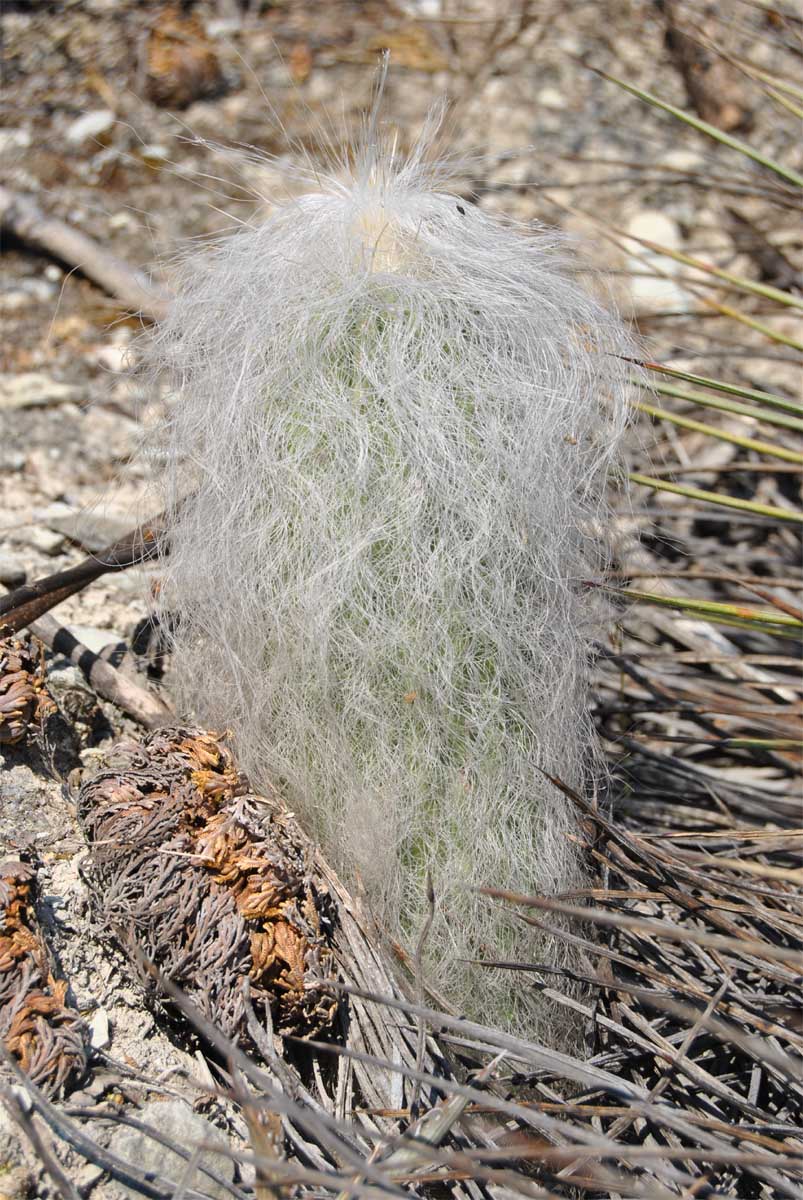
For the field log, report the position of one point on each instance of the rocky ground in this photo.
(149, 129)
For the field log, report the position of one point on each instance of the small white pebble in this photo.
(90, 125)
(99, 1029)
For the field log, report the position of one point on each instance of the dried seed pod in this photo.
(24, 699)
(46, 1035)
(208, 882)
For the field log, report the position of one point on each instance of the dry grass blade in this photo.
(703, 980)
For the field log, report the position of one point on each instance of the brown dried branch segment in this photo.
(27, 603)
(22, 217)
(208, 883)
(145, 707)
(37, 1025)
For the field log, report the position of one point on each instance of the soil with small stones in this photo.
(148, 141)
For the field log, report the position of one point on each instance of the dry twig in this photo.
(21, 216)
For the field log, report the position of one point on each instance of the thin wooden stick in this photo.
(21, 216)
(109, 683)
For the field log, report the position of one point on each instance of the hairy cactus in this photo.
(393, 421)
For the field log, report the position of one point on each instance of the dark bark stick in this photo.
(27, 605)
(30, 601)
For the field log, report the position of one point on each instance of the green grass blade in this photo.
(783, 85)
(751, 506)
(730, 389)
(774, 336)
(711, 131)
(785, 102)
(729, 406)
(729, 614)
(738, 281)
(661, 414)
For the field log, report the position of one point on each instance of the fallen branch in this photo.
(27, 603)
(21, 216)
(109, 683)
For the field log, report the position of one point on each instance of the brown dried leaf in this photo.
(25, 702)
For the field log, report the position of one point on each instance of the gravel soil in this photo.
(149, 128)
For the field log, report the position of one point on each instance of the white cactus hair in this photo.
(395, 417)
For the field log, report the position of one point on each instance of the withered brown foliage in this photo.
(191, 873)
(182, 63)
(37, 1025)
(24, 699)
